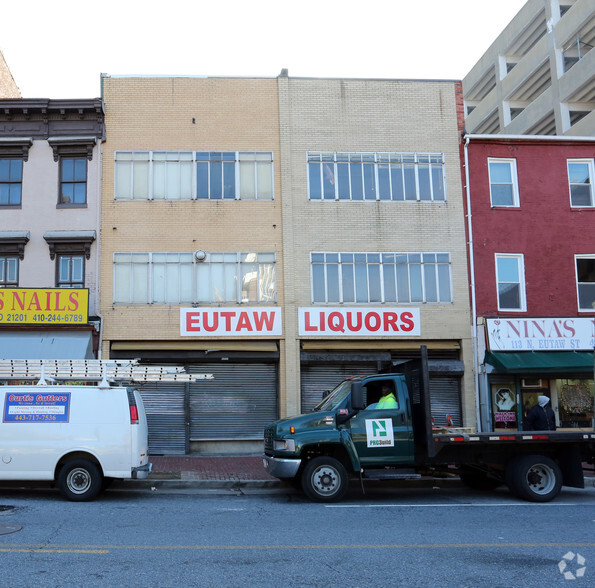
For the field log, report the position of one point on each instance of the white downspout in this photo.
(99, 242)
(472, 285)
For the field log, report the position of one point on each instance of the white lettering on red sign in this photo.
(220, 322)
(359, 322)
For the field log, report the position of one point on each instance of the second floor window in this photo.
(376, 176)
(9, 272)
(70, 271)
(73, 180)
(11, 179)
(381, 277)
(585, 277)
(178, 278)
(510, 277)
(580, 179)
(188, 175)
(504, 190)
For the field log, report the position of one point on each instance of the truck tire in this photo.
(535, 478)
(478, 480)
(324, 479)
(80, 480)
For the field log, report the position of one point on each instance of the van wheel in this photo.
(324, 479)
(80, 480)
(535, 478)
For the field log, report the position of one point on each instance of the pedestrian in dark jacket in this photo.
(541, 417)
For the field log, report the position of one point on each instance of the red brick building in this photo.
(531, 228)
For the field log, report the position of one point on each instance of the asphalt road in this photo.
(407, 537)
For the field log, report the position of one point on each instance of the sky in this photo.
(59, 49)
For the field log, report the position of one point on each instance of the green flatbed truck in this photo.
(345, 437)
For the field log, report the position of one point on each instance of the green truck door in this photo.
(383, 436)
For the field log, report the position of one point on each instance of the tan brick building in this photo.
(230, 208)
(191, 197)
(373, 227)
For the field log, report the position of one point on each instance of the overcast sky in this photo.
(59, 49)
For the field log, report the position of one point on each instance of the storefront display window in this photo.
(575, 402)
(504, 406)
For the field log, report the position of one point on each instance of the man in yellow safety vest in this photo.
(388, 399)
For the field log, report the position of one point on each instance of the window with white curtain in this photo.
(381, 277)
(178, 278)
(376, 176)
(189, 175)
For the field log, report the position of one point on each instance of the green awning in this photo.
(541, 362)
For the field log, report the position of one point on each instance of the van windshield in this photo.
(335, 397)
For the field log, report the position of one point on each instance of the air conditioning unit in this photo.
(532, 383)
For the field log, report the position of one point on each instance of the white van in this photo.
(80, 437)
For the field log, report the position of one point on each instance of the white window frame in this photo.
(576, 258)
(382, 263)
(240, 260)
(239, 158)
(521, 274)
(515, 182)
(590, 167)
(332, 159)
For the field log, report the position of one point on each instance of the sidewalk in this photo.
(223, 468)
(232, 472)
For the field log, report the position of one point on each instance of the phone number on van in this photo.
(28, 408)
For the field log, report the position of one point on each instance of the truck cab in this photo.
(347, 430)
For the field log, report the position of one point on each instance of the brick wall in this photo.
(8, 87)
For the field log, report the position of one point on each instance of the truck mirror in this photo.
(357, 396)
(325, 394)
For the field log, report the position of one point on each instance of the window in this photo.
(70, 271)
(11, 178)
(187, 175)
(585, 278)
(9, 272)
(376, 176)
(70, 249)
(580, 180)
(72, 154)
(381, 277)
(177, 278)
(510, 276)
(504, 189)
(73, 180)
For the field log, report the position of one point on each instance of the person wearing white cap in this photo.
(541, 417)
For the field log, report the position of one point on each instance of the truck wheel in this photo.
(80, 480)
(324, 479)
(478, 480)
(535, 478)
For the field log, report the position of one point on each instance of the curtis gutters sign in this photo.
(44, 306)
(541, 334)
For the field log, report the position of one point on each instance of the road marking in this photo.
(49, 550)
(450, 505)
(103, 549)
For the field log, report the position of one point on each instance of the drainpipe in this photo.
(99, 196)
(472, 285)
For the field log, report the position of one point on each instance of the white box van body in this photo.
(80, 437)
